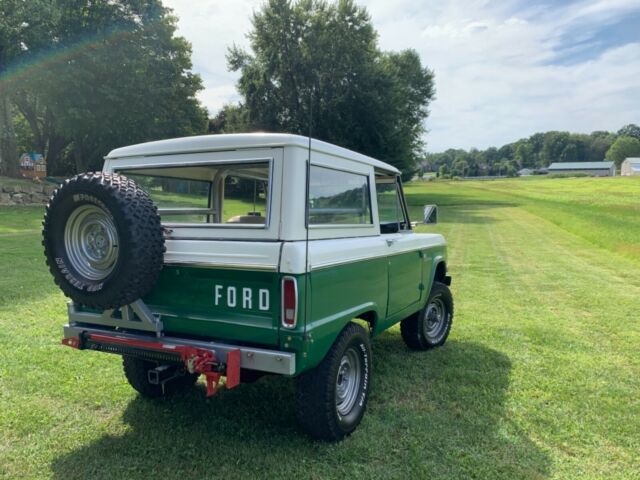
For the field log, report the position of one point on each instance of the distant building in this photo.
(630, 166)
(525, 172)
(33, 165)
(595, 169)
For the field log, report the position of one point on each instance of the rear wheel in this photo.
(137, 372)
(430, 327)
(332, 398)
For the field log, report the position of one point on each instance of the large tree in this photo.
(622, 148)
(631, 130)
(319, 62)
(23, 26)
(113, 72)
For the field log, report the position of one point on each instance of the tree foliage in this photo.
(23, 25)
(630, 130)
(319, 62)
(537, 151)
(622, 148)
(103, 74)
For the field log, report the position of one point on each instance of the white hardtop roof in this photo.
(632, 160)
(211, 143)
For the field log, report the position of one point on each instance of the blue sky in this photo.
(504, 69)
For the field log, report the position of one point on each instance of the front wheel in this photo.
(430, 327)
(331, 399)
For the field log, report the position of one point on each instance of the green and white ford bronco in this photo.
(242, 255)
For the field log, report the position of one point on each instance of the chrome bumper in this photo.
(272, 361)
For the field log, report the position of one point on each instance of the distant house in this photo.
(33, 165)
(630, 166)
(595, 169)
(525, 172)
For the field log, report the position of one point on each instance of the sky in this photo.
(503, 69)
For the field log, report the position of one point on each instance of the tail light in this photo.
(289, 302)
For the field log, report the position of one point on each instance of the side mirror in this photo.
(430, 214)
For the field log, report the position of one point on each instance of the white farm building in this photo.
(630, 166)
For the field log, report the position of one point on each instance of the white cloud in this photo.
(212, 26)
(498, 77)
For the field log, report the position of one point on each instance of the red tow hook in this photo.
(202, 361)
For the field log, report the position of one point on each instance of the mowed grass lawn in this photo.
(539, 379)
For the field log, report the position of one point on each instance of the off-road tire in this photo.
(415, 329)
(137, 372)
(139, 242)
(316, 390)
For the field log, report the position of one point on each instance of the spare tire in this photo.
(103, 240)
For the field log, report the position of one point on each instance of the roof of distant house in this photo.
(581, 166)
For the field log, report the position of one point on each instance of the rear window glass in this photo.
(338, 198)
(234, 194)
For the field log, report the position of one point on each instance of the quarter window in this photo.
(338, 198)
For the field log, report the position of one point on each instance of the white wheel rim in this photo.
(435, 319)
(348, 381)
(91, 242)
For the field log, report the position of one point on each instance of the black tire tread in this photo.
(315, 404)
(144, 236)
(411, 327)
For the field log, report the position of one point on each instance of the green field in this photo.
(540, 377)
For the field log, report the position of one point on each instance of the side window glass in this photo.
(338, 198)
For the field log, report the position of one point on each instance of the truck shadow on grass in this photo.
(437, 414)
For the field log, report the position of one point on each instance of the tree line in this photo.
(81, 77)
(537, 151)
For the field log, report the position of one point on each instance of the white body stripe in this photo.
(328, 253)
(322, 253)
(224, 254)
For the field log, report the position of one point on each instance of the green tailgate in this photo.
(215, 303)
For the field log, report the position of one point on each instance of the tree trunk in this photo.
(8, 147)
(57, 145)
(78, 157)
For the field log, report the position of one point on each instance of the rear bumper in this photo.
(119, 342)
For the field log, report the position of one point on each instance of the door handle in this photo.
(391, 241)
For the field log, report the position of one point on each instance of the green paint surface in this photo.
(186, 298)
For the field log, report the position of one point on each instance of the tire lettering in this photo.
(95, 288)
(83, 197)
(365, 382)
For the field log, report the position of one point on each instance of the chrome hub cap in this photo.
(91, 242)
(348, 382)
(435, 318)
